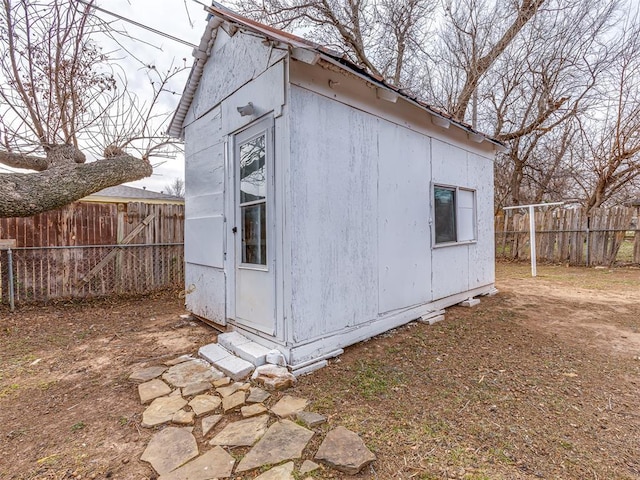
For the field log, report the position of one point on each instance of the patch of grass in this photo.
(501, 456)
(44, 385)
(324, 404)
(566, 445)
(374, 378)
(434, 429)
(78, 426)
(9, 390)
(478, 476)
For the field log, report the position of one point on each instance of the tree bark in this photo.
(19, 160)
(479, 67)
(26, 194)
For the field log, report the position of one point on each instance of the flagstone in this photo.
(253, 410)
(183, 417)
(345, 451)
(180, 359)
(209, 422)
(191, 371)
(257, 395)
(162, 410)
(196, 388)
(284, 440)
(146, 374)
(233, 401)
(308, 466)
(228, 390)
(289, 406)
(202, 404)
(242, 433)
(214, 464)
(311, 419)
(152, 389)
(282, 472)
(222, 382)
(169, 449)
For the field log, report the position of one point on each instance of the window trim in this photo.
(457, 189)
(264, 127)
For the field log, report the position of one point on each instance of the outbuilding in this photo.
(323, 206)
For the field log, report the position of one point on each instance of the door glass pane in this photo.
(253, 184)
(445, 213)
(254, 234)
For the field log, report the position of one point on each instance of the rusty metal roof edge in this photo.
(224, 14)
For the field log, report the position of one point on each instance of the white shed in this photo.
(323, 206)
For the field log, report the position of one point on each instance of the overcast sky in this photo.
(184, 19)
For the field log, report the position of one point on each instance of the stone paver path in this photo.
(242, 433)
(216, 463)
(212, 428)
(162, 410)
(344, 450)
(190, 372)
(289, 406)
(204, 404)
(283, 472)
(153, 389)
(209, 422)
(146, 374)
(283, 441)
(170, 448)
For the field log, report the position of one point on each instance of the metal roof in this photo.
(220, 14)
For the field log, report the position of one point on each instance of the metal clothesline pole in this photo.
(532, 229)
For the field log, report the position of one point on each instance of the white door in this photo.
(254, 227)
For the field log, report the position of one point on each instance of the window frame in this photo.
(262, 127)
(458, 217)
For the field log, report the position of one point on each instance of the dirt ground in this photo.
(540, 381)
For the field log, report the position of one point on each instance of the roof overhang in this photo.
(308, 52)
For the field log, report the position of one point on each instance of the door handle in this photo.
(234, 229)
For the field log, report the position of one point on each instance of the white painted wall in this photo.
(241, 69)
(404, 260)
(361, 178)
(234, 62)
(457, 268)
(333, 216)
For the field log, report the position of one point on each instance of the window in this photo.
(454, 214)
(253, 200)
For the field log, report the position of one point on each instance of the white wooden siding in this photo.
(457, 268)
(204, 197)
(404, 246)
(233, 63)
(482, 253)
(205, 288)
(333, 219)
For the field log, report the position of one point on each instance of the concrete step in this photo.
(225, 361)
(244, 348)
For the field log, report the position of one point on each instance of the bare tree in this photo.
(175, 188)
(537, 74)
(58, 88)
(385, 37)
(610, 136)
(544, 83)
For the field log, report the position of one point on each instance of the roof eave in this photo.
(219, 16)
(201, 54)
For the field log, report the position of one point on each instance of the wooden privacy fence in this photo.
(567, 235)
(94, 249)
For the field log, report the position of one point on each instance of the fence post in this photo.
(12, 300)
(588, 259)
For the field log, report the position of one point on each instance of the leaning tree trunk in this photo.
(65, 180)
